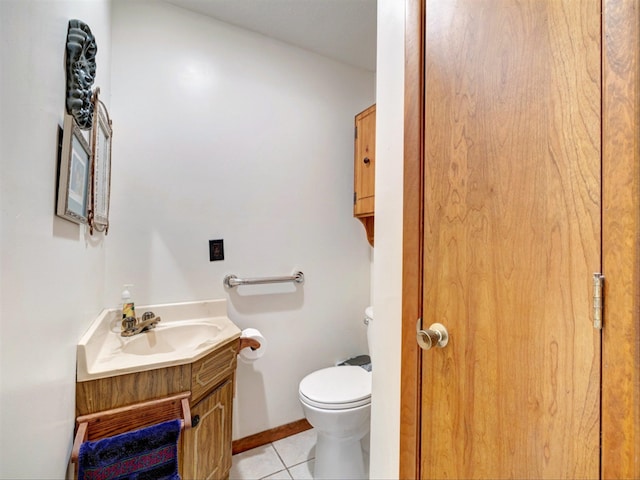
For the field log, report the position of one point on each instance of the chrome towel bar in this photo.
(231, 281)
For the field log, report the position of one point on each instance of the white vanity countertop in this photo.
(186, 332)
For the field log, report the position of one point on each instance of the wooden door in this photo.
(512, 220)
(364, 163)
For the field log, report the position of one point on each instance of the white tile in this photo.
(303, 471)
(256, 463)
(283, 475)
(297, 448)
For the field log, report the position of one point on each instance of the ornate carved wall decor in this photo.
(81, 72)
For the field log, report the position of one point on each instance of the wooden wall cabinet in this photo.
(205, 449)
(364, 171)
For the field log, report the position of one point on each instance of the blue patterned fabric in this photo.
(147, 454)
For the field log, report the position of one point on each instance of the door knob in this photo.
(435, 336)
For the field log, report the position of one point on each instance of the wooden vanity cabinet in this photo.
(205, 449)
(364, 169)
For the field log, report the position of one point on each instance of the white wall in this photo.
(52, 271)
(387, 268)
(266, 165)
(223, 133)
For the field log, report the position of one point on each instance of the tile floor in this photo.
(288, 459)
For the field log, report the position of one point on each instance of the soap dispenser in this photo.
(128, 309)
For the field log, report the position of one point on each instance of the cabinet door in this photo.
(207, 446)
(364, 162)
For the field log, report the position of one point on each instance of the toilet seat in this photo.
(336, 388)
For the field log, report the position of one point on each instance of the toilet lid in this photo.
(337, 387)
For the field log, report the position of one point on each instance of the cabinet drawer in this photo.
(213, 369)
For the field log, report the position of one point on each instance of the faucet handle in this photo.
(128, 323)
(148, 321)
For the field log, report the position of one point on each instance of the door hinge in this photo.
(598, 301)
(355, 197)
(355, 133)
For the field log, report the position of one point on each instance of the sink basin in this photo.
(172, 338)
(187, 332)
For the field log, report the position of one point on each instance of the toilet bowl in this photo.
(337, 402)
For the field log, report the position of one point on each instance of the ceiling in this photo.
(344, 30)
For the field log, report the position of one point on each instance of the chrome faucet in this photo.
(132, 326)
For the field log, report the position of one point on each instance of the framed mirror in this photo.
(101, 132)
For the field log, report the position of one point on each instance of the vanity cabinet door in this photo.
(207, 446)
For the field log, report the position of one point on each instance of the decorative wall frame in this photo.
(75, 174)
(101, 133)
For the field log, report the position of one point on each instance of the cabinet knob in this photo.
(366, 161)
(195, 420)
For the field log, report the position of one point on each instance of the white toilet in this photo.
(337, 403)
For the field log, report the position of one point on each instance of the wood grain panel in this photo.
(107, 393)
(139, 415)
(213, 369)
(207, 446)
(410, 408)
(271, 435)
(511, 238)
(364, 172)
(621, 237)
